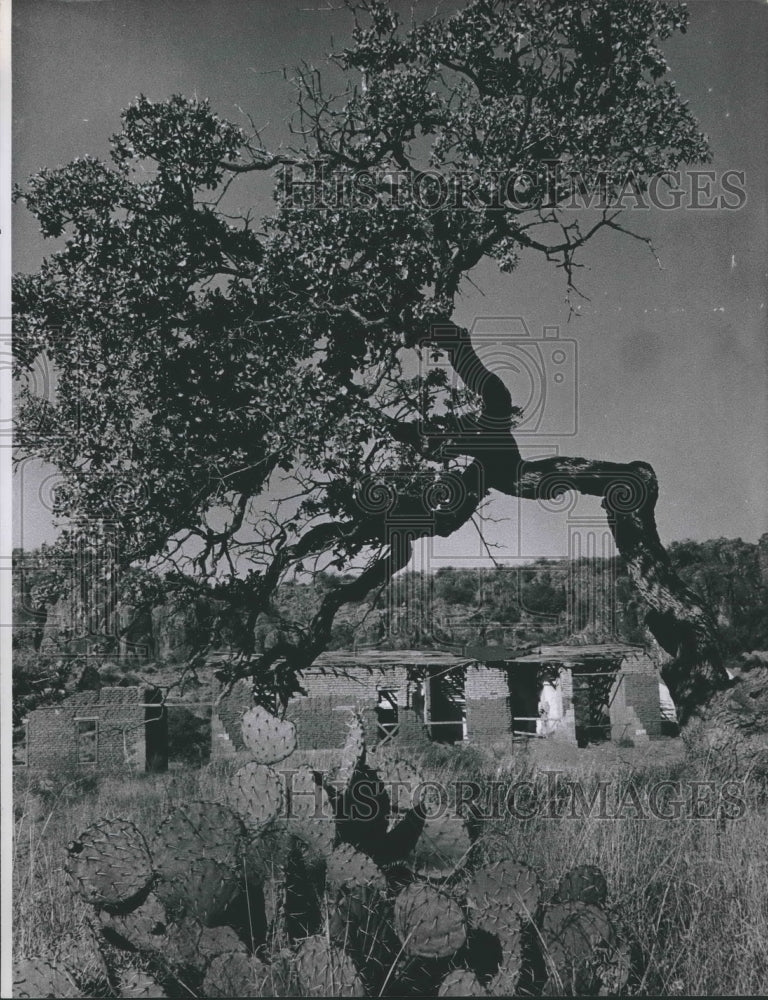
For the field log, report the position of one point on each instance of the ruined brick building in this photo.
(111, 729)
(489, 697)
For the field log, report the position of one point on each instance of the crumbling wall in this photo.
(489, 717)
(120, 741)
(635, 703)
(323, 713)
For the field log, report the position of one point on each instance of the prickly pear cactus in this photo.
(429, 923)
(443, 847)
(37, 978)
(504, 983)
(237, 975)
(142, 929)
(353, 754)
(310, 814)
(497, 891)
(582, 884)
(501, 898)
(405, 786)
(197, 830)
(256, 795)
(268, 738)
(284, 888)
(346, 867)
(326, 971)
(576, 937)
(136, 984)
(110, 865)
(197, 852)
(461, 983)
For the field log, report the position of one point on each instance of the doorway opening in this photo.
(387, 714)
(445, 706)
(155, 731)
(591, 693)
(524, 695)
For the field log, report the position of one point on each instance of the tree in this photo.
(204, 358)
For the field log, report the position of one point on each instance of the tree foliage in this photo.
(252, 397)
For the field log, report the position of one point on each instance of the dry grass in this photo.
(694, 892)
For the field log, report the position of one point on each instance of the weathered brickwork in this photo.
(489, 715)
(333, 695)
(99, 730)
(635, 707)
(343, 682)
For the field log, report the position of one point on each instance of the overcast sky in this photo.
(671, 363)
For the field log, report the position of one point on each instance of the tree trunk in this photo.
(724, 720)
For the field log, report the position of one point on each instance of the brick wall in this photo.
(642, 693)
(638, 662)
(487, 703)
(635, 705)
(53, 742)
(322, 715)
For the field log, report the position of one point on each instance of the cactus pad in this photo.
(504, 983)
(326, 971)
(143, 929)
(443, 846)
(215, 941)
(310, 815)
(110, 865)
(237, 975)
(197, 830)
(256, 795)
(582, 884)
(198, 849)
(428, 923)
(136, 984)
(575, 938)
(404, 785)
(461, 983)
(500, 889)
(353, 754)
(347, 867)
(209, 891)
(268, 738)
(36, 978)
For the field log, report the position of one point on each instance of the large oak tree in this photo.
(201, 358)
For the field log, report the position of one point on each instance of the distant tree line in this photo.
(545, 600)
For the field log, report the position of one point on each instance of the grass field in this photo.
(694, 892)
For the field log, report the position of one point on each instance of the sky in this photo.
(666, 363)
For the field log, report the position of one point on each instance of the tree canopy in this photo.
(250, 396)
